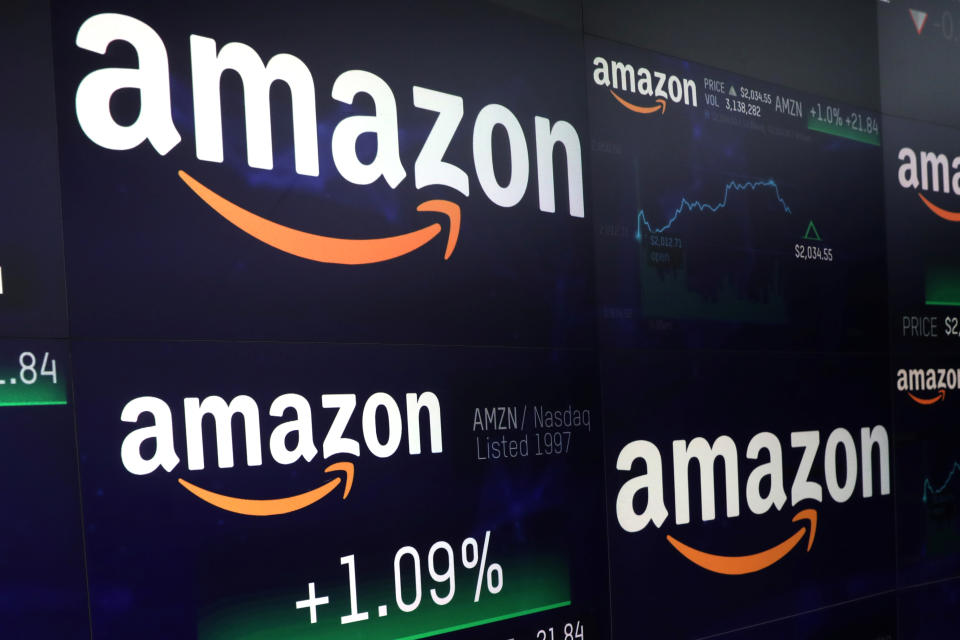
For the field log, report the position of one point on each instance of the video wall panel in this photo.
(731, 213)
(42, 577)
(758, 488)
(353, 491)
(288, 180)
(32, 282)
(476, 320)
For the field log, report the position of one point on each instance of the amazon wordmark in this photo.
(382, 429)
(843, 464)
(155, 125)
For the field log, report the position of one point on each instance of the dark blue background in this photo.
(33, 302)
(929, 612)
(872, 618)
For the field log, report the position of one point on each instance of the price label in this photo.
(31, 377)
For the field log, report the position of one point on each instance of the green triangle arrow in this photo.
(811, 233)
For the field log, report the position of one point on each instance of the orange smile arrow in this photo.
(277, 506)
(661, 105)
(326, 249)
(951, 216)
(941, 394)
(739, 565)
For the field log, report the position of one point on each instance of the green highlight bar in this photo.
(843, 132)
(37, 403)
(40, 393)
(942, 286)
(532, 582)
(480, 623)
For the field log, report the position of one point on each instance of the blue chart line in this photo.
(928, 486)
(686, 205)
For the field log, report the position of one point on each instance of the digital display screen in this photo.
(405, 216)
(353, 491)
(921, 231)
(42, 582)
(482, 320)
(759, 471)
(731, 213)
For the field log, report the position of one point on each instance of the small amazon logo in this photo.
(661, 105)
(941, 395)
(641, 502)
(209, 61)
(927, 386)
(624, 78)
(290, 442)
(931, 172)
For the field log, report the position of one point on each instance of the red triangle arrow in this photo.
(919, 19)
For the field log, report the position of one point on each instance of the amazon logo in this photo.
(930, 172)
(383, 428)
(652, 88)
(846, 463)
(210, 60)
(927, 386)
